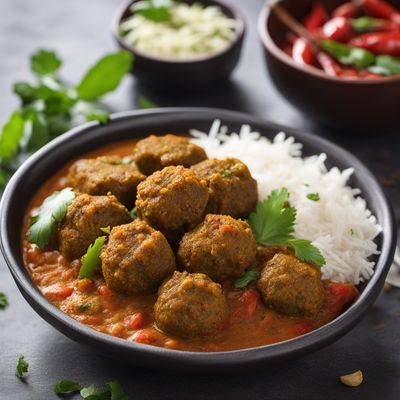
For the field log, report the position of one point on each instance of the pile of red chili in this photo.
(358, 39)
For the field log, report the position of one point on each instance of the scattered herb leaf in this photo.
(348, 55)
(3, 301)
(10, 138)
(117, 392)
(246, 278)
(66, 386)
(91, 260)
(52, 211)
(105, 75)
(313, 196)
(273, 224)
(45, 62)
(133, 213)
(227, 173)
(84, 306)
(155, 10)
(106, 230)
(22, 368)
(144, 103)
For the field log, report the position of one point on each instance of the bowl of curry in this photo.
(126, 237)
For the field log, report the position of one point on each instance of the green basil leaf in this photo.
(45, 62)
(105, 75)
(66, 386)
(347, 55)
(11, 135)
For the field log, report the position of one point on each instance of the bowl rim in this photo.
(240, 32)
(277, 351)
(270, 45)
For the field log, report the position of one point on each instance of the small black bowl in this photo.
(184, 74)
(38, 168)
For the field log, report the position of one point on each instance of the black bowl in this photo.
(38, 168)
(180, 74)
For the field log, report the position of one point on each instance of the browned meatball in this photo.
(233, 191)
(156, 152)
(221, 247)
(103, 175)
(190, 305)
(172, 200)
(85, 216)
(136, 259)
(291, 286)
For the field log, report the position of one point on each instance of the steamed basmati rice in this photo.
(339, 224)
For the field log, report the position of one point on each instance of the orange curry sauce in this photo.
(250, 324)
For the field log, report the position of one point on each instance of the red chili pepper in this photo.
(302, 52)
(329, 65)
(347, 10)
(379, 42)
(316, 18)
(338, 28)
(381, 9)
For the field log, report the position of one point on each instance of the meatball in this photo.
(156, 152)
(233, 191)
(104, 175)
(83, 220)
(172, 200)
(190, 305)
(221, 247)
(136, 259)
(291, 286)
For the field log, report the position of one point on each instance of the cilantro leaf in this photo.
(133, 213)
(91, 260)
(304, 250)
(106, 229)
(45, 62)
(22, 368)
(3, 301)
(93, 112)
(38, 131)
(272, 223)
(66, 386)
(313, 196)
(52, 211)
(93, 393)
(154, 10)
(117, 392)
(25, 91)
(11, 135)
(144, 103)
(246, 278)
(105, 75)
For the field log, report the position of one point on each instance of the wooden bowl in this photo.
(359, 106)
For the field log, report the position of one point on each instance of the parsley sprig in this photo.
(49, 107)
(92, 392)
(52, 211)
(273, 224)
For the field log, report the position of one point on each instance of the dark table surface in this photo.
(79, 31)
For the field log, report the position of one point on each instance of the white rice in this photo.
(339, 224)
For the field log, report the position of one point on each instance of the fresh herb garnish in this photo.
(365, 24)
(49, 107)
(91, 260)
(154, 10)
(347, 55)
(273, 224)
(246, 278)
(3, 301)
(123, 161)
(92, 392)
(144, 103)
(106, 230)
(84, 306)
(133, 213)
(65, 386)
(52, 211)
(22, 368)
(227, 173)
(386, 65)
(313, 196)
